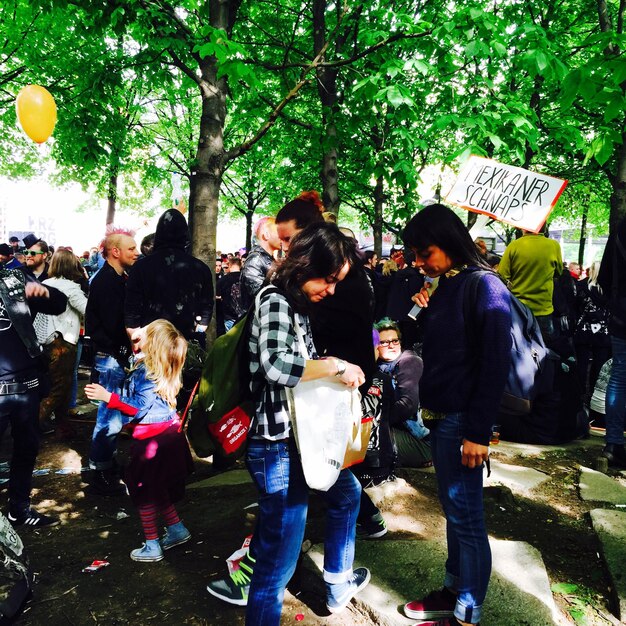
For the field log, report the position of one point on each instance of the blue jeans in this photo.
(21, 411)
(468, 566)
(109, 422)
(276, 471)
(616, 394)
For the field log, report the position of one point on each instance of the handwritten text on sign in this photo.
(506, 193)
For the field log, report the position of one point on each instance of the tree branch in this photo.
(342, 62)
(244, 147)
(291, 120)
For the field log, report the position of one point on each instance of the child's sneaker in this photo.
(174, 536)
(148, 553)
(436, 605)
(338, 595)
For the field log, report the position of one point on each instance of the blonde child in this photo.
(159, 456)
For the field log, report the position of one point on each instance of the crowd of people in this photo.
(432, 390)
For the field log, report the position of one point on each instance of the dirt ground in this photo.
(173, 591)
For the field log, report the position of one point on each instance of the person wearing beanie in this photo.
(14, 242)
(7, 260)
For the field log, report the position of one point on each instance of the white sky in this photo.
(51, 214)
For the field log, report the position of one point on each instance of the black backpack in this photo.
(529, 374)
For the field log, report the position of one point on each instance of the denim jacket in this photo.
(139, 392)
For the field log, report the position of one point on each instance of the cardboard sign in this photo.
(506, 193)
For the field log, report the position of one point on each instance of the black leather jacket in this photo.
(253, 274)
(21, 311)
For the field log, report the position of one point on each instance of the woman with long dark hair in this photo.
(319, 258)
(460, 392)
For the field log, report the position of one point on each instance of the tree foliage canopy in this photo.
(261, 99)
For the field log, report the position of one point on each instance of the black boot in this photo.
(105, 483)
(616, 455)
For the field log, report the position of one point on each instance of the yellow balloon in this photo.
(37, 112)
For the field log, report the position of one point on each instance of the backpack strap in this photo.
(470, 297)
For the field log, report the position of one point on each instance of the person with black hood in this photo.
(170, 283)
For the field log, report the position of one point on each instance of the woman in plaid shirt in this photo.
(319, 257)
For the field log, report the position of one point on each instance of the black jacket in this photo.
(612, 279)
(17, 314)
(405, 284)
(104, 316)
(253, 274)
(342, 324)
(170, 283)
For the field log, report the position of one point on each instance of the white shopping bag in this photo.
(326, 419)
(325, 414)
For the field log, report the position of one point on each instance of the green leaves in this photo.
(396, 96)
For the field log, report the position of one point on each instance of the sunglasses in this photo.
(32, 252)
(386, 342)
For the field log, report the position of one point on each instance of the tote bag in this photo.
(326, 422)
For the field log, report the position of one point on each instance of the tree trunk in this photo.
(618, 196)
(583, 235)
(327, 90)
(209, 163)
(112, 196)
(249, 215)
(207, 174)
(379, 201)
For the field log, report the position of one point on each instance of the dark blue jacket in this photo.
(457, 377)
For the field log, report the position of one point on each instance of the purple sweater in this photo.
(456, 378)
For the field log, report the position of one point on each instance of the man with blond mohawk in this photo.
(104, 324)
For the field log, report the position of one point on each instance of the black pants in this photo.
(21, 411)
(368, 509)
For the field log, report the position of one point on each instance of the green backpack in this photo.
(220, 421)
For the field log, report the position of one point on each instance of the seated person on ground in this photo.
(405, 369)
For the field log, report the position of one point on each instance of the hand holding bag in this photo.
(326, 422)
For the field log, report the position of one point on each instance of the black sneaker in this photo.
(234, 589)
(615, 454)
(46, 427)
(372, 528)
(32, 519)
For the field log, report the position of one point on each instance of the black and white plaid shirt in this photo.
(275, 363)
